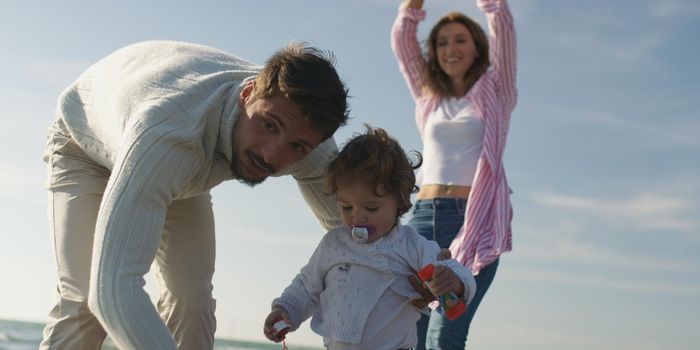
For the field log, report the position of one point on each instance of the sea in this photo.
(20, 335)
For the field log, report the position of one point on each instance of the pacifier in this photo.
(361, 233)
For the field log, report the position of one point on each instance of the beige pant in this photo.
(184, 261)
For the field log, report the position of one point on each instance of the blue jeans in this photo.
(440, 219)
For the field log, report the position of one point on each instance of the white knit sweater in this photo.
(160, 115)
(343, 281)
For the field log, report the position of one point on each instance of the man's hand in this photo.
(426, 295)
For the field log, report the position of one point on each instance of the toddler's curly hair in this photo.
(377, 159)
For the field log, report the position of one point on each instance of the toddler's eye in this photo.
(268, 124)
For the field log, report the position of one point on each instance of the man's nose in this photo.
(273, 152)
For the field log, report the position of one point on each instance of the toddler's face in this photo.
(360, 205)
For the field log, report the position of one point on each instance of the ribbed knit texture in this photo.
(160, 115)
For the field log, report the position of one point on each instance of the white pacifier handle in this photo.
(360, 234)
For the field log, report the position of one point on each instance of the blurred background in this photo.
(602, 158)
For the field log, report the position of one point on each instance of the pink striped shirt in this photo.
(486, 232)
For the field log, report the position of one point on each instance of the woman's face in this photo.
(456, 50)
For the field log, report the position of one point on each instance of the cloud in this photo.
(576, 239)
(640, 205)
(612, 44)
(643, 210)
(552, 245)
(675, 129)
(680, 130)
(590, 280)
(673, 9)
(617, 35)
(539, 333)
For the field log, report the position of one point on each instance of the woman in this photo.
(464, 90)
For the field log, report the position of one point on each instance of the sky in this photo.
(602, 156)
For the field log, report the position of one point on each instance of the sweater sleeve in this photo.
(309, 175)
(465, 276)
(147, 174)
(302, 297)
(427, 254)
(404, 43)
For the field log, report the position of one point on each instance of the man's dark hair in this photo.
(307, 77)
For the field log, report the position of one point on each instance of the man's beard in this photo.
(236, 169)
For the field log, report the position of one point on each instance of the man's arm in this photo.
(309, 174)
(146, 177)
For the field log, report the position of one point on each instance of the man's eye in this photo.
(372, 209)
(299, 147)
(268, 124)
(345, 208)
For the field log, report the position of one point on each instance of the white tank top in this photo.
(452, 142)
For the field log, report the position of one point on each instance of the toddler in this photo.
(355, 286)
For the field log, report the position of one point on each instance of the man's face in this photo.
(270, 135)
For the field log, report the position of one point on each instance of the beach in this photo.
(22, 335)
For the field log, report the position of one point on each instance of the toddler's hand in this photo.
(278, 313)
(426, 296)
(446, 281)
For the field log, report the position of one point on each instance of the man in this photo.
(138, 142)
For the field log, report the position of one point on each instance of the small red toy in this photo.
(454, 306)
(281, 328)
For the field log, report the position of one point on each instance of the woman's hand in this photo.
(414, 4)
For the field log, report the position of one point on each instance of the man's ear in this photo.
(247, 92)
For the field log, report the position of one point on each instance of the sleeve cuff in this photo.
(412, 13)
(469, 288)
(488, 6)
(465, 276)
(294, 316)
(314, 165)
